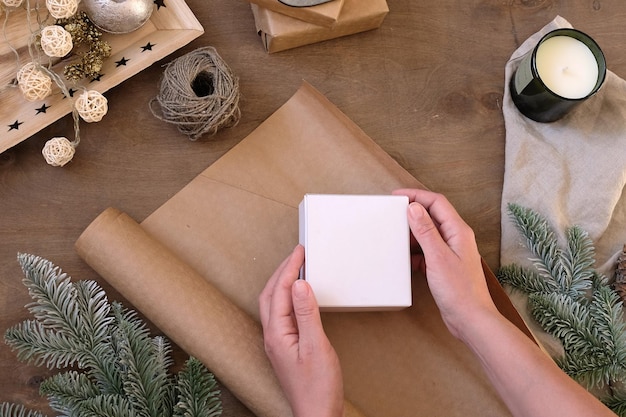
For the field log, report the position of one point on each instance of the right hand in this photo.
(449, 258)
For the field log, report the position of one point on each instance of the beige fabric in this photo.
(572, 171)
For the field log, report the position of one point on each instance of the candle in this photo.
(565, 68)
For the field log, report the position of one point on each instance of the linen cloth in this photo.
(571, 171)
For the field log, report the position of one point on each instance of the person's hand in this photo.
(449, 257)
(305, 363)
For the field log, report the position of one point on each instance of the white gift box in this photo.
(357, 254)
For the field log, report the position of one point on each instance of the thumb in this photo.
(307, 314)
(425, 231)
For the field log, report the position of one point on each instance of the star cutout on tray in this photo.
(15, 125)
(121, 62)
(42, 109)
(71, 92)
(147, 47)
(97, 77)
(159, 3)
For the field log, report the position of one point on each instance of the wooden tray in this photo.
(171, 26)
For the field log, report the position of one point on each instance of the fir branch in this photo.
(121, 370)
(40, 346)
(198, 394)
(575, 303)
(143, 379)
(540, 240)
(567, 320)
(66, 391)
(106, 406)
(53, 294)
(579, 259)
(17, 410)
(525, 280)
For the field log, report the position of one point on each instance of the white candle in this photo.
(567, 67)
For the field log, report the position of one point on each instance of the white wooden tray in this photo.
(171, 26)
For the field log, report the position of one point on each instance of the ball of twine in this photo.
(62, 9)
(34, 83)
(58, 151)
(199, 94)
(56, 41)
(91, 106)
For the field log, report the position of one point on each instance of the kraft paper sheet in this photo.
(216, 242)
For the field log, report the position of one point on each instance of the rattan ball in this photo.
(12, 3)
(56, 41)
(91, 106)
(34, 84)
(58, 151)
(62, 9)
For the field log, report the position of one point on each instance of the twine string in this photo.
(199, 94)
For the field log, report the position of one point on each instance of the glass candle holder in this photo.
(565, 68)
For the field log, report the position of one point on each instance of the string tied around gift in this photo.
(198, 93)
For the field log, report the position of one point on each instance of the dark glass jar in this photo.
(534, 98)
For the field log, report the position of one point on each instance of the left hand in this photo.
(305, 362)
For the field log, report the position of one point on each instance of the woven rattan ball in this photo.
(56, 41)
(12, 3)
(91, 106)
(58, 151)
(62, 9)
(34, 83)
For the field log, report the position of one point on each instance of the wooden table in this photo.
(427, 86)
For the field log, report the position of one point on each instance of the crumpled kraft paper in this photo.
(234, 223)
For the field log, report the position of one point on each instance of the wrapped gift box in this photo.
(280, 32)
(325, 14)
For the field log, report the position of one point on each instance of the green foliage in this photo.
(573, 302)
(118, 369)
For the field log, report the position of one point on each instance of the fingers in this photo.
(307, 316)
(444, 216)
(275, 299)
(425, 232)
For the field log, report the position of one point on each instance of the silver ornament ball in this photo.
(118, 16)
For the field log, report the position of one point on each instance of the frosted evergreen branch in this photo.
(575, 303)
(198, 394)
(606, 310)
(53, 294)
(94, 308)
(106, 406)
(38, 345)
(525, 280)
(579, 259)
(144, 373)
(66, 391)
(17, 410)
(567, 320)
(540, 240)
(120, 371)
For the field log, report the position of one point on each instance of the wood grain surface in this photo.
(427, 86)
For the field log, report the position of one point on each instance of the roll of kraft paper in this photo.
(187, 308)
